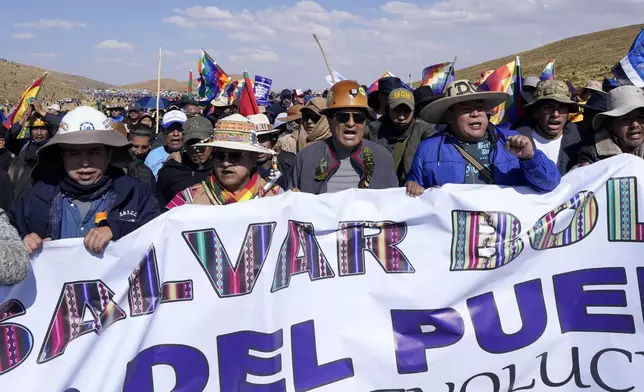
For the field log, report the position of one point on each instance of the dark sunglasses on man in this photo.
(227, 156)
(343, 117)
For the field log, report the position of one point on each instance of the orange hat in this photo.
(347, 94)
(293, 113)
(120, 128)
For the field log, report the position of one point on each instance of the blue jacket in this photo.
(438, 162)
(133, 206)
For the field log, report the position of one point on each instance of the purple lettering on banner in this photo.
(235, 361)
(594, 369)
(573, 301)
(501, 242)
(16, 341)
(640, 284)
(226, 279)
(487, 323)
(354, 243)
(307, 373)
(412, 342)
(67, 323)
(146, 292)
(300, 240)
(512, 370)
(189, 364)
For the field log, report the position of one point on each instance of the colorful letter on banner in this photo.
(262, 89)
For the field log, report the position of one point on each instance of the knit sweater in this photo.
(14, 260)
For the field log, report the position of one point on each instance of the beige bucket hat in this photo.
(620, 101)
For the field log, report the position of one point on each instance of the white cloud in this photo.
(52, 24)
(114, 44)
(44, 54)
(192, 51)
(169, 53)
(23, 36)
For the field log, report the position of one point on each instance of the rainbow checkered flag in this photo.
(212, 78)
(507, 79)
(437, 76)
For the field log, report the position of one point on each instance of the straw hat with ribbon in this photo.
(457, 92)
(236, 132)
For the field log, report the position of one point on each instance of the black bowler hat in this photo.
(389, 84)
(425, 94)
(596, 102)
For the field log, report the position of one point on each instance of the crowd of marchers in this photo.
(99, 175)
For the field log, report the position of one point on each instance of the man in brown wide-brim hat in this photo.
(345, 160)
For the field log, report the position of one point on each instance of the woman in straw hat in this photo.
(473, 151)
(235, 177)
(620, 130)
(80, 189)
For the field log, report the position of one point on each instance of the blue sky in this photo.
(117, 41)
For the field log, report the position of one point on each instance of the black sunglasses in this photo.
(343, 117)
(306, 116)
(227, 156)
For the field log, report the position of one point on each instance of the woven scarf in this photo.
(227, 197)
(322, 131)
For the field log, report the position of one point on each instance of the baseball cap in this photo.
(286, 93)
(401, 96)
(197, 127)
(55, 107)
(174, 116)
(299, 93)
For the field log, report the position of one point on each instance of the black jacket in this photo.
(274, 110)
(21, 167)
(6, 191)
(286, 165)
(6, 157)
(176, 176)
(139, 170)
(571, 142)
(385, 133)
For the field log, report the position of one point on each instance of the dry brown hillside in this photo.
(166, 84)
(15, 78)
(581, 58)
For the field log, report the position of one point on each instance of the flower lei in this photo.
(369, 166)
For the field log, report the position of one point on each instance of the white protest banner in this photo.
(262, 87)
(467, 288)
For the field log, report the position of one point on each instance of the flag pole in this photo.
(158, 88)
(451, 71)
(315, 36)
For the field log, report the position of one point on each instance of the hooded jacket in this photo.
(21, 168)
(14, 260)
(179, 173)
(385, 133)
(438, 162)
(134, 206)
